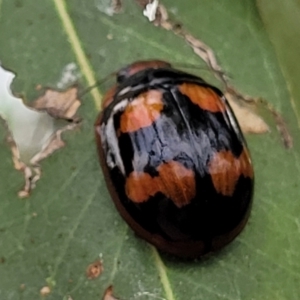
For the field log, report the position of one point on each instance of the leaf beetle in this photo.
(175, 160)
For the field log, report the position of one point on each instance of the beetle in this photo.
(174, 158)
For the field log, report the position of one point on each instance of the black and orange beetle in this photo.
(174, 158)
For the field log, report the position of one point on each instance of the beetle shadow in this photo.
(207, 260)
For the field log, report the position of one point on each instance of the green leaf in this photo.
(282, 23)
(70, 221)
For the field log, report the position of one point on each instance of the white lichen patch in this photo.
(105, 6)
(33, 134)
(69, 76)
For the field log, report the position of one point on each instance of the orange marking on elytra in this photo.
(202, 96)
(140, 186)
(225, 170)
(174, 181)
(177, 182)
(142, 111)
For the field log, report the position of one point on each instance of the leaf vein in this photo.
(162, 271)
(70, 236)
(78, 50)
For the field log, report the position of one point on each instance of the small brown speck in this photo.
(94, 270)
(117, 6)
(38, 87)
(45, 291)
(108, 294)
(23, 194)
(2, 260)
(22, 287)
(34, 214)
(109, 36)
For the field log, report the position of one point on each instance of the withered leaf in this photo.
(248, 120)
(60, 105)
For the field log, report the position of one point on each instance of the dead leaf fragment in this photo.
(108, 294)
(248, 120)
(60, 105)
(35, 132)
(94, 270)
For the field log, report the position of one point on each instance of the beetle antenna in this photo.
(203, 68)
(97, 83)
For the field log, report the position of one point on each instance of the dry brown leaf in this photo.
(248, 120)
(60, 105)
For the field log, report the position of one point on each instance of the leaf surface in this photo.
(69, 221)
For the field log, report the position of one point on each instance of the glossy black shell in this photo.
(186, 134)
